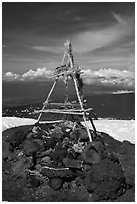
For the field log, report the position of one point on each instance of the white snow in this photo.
(119, 129)
(9, 122)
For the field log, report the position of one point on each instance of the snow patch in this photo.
(119, 129)
(9, 122)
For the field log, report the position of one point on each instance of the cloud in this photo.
(32, 75)
(39, 74)
(11, 76)
(112, 34)
(122, 80)
(122, 92)
(48, 49)
(110, 77)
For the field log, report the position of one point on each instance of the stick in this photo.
(66, 89)
(45, 103)
(56, 169)
(66, 110)
(84, 115)
(59, 111)
(63, 104)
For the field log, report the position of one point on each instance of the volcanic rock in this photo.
(58, 154)
(42, 153)
(71, 163)
(93, 152)
(56, 183)
(78, 147)
(83, 136)
(50, 143)
(92, 168)
(74, 135)
(105, 180)
(5, 150)
(17, 138)
(57, 133)
(46, 161)
(30, 147)
(33, 181)
(20, 166)
(66, 142)
(55, 173)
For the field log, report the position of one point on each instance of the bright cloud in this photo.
(39, 74)
(103, 77)
(122, 92)
(110, 77)
(11, 76)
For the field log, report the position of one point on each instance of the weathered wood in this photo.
(84, 114)
(59, 111)
(51, 121)
(73, 110)
(53, 86)
(66, 89)
(62, 104)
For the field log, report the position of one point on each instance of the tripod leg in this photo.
(66, 90)
(45, 103)
(95, 131)
(63, 60)
(81, 105)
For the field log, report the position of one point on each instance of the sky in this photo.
(102, 36)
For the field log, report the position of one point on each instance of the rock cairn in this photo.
(61, 156)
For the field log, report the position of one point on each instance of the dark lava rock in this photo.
(57, 133)
(52, 173)
(110, 155)
(30, 147)
(58, 154)
(33, 181)
(46, 161)
(19, 167)
(74, 135)
(71, 163)
(83, 135)
(50, 143)
(72, 154)
(5, 150)
(93, 152)
(17, 138)
(66, 142)
(105, 180)
(56, 183)
(42, 153)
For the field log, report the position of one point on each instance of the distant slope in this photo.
(30, 95)
(120, 106)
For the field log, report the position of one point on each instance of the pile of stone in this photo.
(61, 154)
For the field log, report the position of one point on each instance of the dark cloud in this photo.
(34, 33)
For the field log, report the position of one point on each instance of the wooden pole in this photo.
(84, 115)
(71, 110)
(59, 111)
(66, 89)
(45, 103)
(63, 60)
(90, 118)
